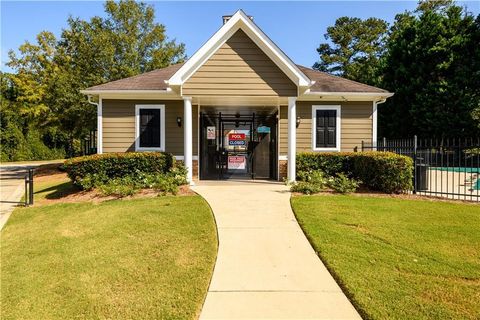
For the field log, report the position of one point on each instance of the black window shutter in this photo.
(149, 128)
(326, 130)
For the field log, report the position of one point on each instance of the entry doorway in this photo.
(238, 145)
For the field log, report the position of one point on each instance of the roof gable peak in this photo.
(240, 21)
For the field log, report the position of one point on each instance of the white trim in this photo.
(349, 93)
(375, 121)
(138, 107)
(374, 124)
(188, 137)
(283, 158)
(239, 21)
(165, 91)
(292, 138)
(278, 141)
(338, 109)
(100, 126)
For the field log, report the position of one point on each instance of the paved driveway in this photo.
(266, 268)
(12, 187)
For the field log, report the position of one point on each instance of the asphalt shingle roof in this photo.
(155, 80)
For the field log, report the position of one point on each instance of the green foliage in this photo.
(430, 58)
(353, 48)
(342, 184)
(44, 91)
(129, 185)
(382, 171)
(120, 187)
(432, 63)
(310, 182)
(306, 187)
(123, 174)
(328, 162)
(100, 168)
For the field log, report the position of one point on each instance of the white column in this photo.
(187, 137)
(99, 127)
(374, 125)
(292, 138)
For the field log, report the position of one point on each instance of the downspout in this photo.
(375, 121)
(99, 122)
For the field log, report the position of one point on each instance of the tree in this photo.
(432, 65)
(354, 49)
(49, 75)
(31, 81)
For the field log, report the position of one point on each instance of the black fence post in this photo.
(362, 146)
(414, 164)
(26, 191)
(30, 185)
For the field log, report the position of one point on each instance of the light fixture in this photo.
(298, 121)
(179, 121)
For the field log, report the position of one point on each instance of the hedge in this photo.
(103, 167)
(381, 171)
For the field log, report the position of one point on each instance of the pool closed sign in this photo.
(236, 139)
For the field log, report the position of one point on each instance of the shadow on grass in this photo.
(59, 191)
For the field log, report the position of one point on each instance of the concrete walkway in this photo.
(266, 268)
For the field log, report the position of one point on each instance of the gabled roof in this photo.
(239, 21)
(155, 80)
(162, 81)
(325, 82)
(152, 80)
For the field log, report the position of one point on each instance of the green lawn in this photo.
(397, 258)
(148, 258)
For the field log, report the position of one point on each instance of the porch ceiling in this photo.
(241, 110)
(232, 101)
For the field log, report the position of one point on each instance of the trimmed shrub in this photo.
(91, 171)
(342, 184)
(120, 187)
(306, 187)
(382, 171)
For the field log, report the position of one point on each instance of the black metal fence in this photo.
(442, 167)
(89, 143)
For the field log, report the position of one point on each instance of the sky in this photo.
(296, 27)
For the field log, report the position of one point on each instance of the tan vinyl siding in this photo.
(356, 125)
(119, 125)
(239, 68)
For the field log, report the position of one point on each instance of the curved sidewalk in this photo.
(266, 268)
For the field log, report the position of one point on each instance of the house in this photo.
(239, 108)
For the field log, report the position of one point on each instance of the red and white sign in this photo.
(236, 163)
(236, 136)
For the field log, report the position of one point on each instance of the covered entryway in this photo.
(238, 143)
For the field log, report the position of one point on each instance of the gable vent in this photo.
(226, 18)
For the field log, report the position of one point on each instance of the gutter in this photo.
(382, 95)
(90, 92)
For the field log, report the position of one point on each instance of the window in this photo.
(150, 127)
(326, 128)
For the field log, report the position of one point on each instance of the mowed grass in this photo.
(148, 258)
(397, 258)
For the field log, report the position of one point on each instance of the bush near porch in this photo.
(124, 173)
(381, 171)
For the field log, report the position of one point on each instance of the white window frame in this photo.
(138, 107)
(338, 109)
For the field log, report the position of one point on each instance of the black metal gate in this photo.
(259, 149)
